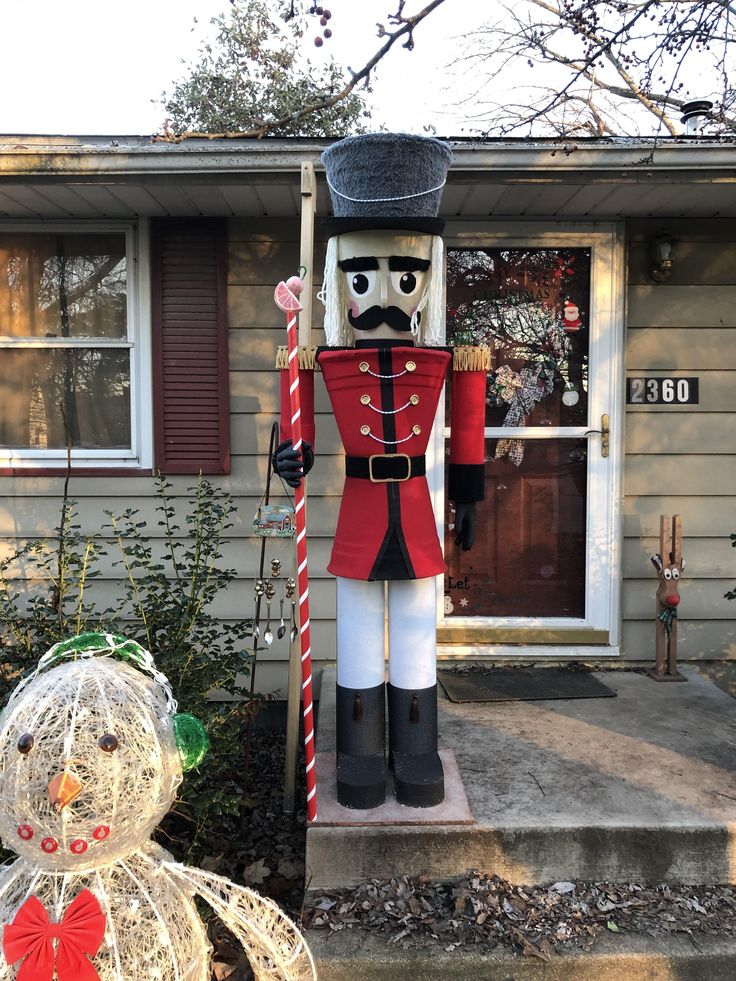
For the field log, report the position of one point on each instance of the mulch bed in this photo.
(487, 912)
(264, 848)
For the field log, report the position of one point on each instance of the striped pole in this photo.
(288, 302)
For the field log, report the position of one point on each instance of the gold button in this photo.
(414, 400)
(365, 399)
(417, 430)
(365, 430)
(364, 366)
(410, 366)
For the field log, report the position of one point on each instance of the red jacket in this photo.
(385, 399)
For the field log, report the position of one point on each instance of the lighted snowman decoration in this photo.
(92, 751)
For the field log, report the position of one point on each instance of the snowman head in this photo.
(91, 754)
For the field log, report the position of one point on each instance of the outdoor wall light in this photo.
(662, 251)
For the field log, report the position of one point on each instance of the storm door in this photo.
(543, 567)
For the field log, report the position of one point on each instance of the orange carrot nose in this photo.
(63, 789)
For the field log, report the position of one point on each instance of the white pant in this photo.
(361, 633)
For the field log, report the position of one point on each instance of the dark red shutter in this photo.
(190, 338)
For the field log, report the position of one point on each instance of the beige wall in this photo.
(678, 459)
(682, 459)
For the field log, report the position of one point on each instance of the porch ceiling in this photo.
(127, 177)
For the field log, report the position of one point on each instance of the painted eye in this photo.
(362, 282)
(406, 282)
(108, 743)
(675, 573)
(667, 574)
(26, 743)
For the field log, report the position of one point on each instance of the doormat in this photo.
(521, 685)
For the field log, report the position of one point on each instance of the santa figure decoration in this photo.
(384, 369)
(571, 317)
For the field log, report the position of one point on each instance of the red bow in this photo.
(80, 932)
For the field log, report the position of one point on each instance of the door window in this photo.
(533, 306)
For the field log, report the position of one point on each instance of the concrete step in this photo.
(635, 788)
(352, 955)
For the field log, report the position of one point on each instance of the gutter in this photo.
(97, 160)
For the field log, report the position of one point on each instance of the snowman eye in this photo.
(108, 743)
(25, 743)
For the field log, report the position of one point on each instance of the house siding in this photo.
(677, 459)
(262, 252)
(682, 459)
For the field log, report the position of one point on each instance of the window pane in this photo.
(62, 285)
(533, 306)
(529, 556)
(48, 396)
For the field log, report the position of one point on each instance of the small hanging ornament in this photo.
(274, 521)
(571, 395)
(571, 317)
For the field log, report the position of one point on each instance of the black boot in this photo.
(412, 727)
(361, 764)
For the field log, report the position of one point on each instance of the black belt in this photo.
(383, 468)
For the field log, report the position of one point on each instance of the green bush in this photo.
(167, 587)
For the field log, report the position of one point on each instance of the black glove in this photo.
(287, 462)
(465, 522)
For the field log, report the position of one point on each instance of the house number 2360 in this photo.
(662, 391)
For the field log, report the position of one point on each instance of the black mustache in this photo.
(374, 316)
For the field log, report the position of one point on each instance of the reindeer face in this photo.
(668, 593)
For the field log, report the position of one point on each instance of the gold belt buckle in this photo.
(388, 456)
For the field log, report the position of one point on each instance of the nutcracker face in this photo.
(384, 279)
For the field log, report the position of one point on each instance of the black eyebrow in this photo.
(359, 264)
(407, 263)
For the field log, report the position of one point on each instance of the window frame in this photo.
(137, 340)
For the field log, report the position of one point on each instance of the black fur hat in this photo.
(386, 180)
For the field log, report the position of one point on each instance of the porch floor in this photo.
(641, 787)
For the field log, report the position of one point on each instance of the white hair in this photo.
(427, 331)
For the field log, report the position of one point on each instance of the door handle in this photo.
(604, 432)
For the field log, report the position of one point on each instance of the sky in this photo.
(89, 67)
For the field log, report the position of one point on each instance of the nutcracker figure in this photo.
(384, 367)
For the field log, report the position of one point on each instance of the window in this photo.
(75, 348)
(532, 304)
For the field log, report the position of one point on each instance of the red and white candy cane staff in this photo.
(286, 297)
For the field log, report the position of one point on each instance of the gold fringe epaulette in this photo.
(307, 358)
(472, 358)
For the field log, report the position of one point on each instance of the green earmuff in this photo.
(191, 739)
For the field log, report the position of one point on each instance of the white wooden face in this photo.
(385, 275)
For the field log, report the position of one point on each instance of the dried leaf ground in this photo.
(487, 912)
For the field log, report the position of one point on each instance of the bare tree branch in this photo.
(627, 52)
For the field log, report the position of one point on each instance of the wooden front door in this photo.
(540, 557)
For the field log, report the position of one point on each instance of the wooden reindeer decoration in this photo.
(669, 564)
